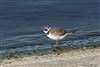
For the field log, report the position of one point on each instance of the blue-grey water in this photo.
(21, 22)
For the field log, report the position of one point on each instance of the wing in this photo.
(57, 31)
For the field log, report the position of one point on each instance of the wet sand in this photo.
(75, 58)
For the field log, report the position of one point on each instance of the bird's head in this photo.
(46, 29)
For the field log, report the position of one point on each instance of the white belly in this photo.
(56, 37)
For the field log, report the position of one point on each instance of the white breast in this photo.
(56, 37)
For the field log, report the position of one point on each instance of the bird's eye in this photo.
(45, 29)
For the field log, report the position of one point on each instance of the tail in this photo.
(70, 32)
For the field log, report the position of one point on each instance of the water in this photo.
(21, 22)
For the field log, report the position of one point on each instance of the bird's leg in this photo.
(56, 45)
(58, 48)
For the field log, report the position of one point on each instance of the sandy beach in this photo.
(77, 58)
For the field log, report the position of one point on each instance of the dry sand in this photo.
(77, 58)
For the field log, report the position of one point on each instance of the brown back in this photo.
(57, 31)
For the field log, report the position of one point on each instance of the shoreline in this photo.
(75, 58)
(39, 52)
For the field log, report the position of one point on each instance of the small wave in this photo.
(32, 42)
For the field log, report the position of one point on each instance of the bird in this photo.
(55, 33)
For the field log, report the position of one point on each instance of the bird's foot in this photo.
(57, 49)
